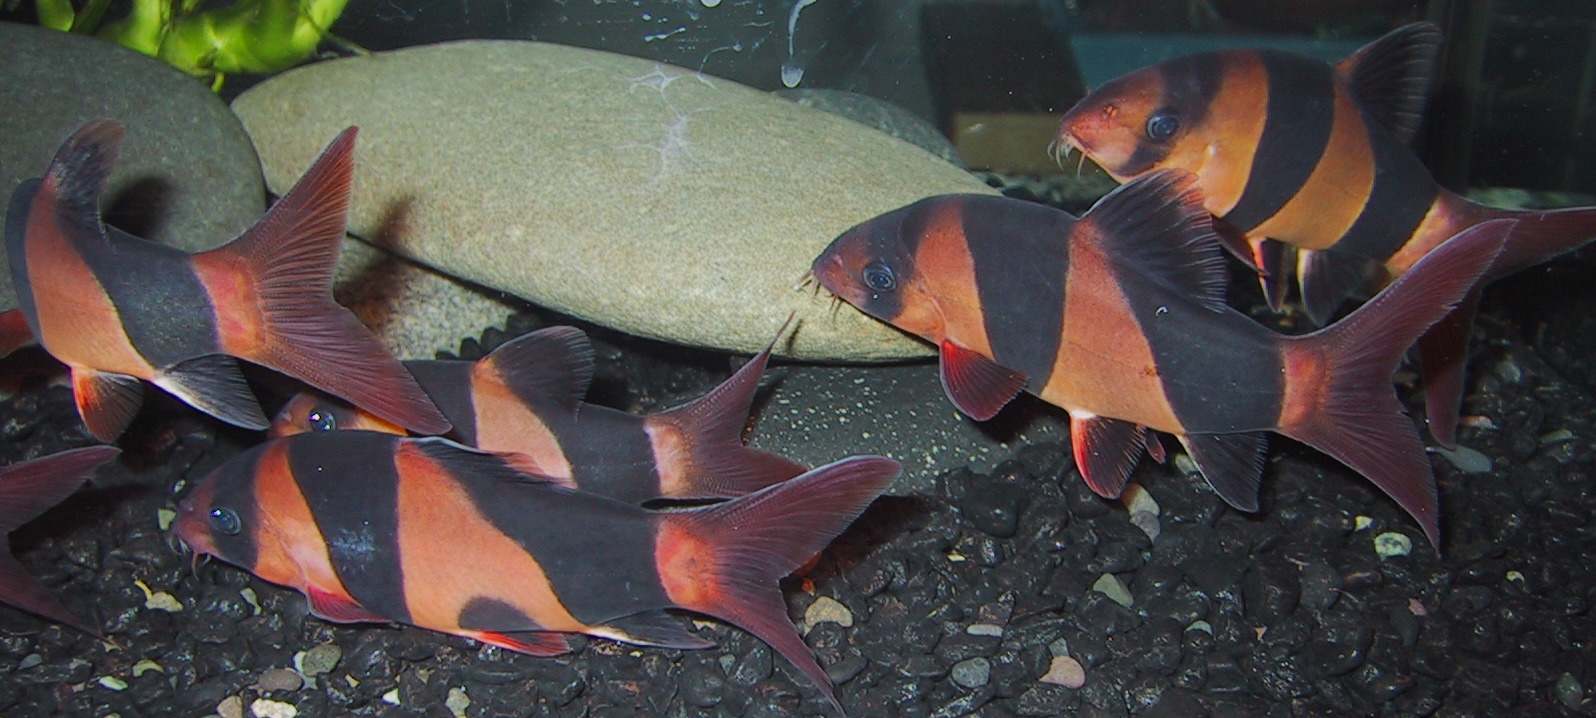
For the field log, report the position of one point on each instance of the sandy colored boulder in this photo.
(634, 194)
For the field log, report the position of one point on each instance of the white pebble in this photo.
(1466, 460)
(231, 707)
(826, 609)
(984, 629)
(113, 683)
(1148, 523)
(1109, 585)
(267, 708)
(1136, 499)
(1392, 543)
(1065, 671)
(457, 702)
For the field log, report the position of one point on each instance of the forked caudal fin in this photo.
(711, 430)
(1339, 394)
(302, 332)
(1538, 236)
(726, 560)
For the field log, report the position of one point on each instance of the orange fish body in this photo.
(27, 489)
(1310, 164)
(370, 526)
(526, 398)
(117, 309)
(1119, 317)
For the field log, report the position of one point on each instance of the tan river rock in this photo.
(630, 193)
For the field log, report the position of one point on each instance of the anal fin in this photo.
(653, 628)
(1106, 451)
(106, 401)
(542, 644)
(978, 386)
(1443, 350)
(213, 384)
(1231, 463)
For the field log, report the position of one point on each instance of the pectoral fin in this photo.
(106, 401)
(978, 386)
(340, 609)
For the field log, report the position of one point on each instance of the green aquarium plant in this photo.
(244, 36)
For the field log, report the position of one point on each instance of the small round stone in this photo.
(1065, 671)
(972, 673)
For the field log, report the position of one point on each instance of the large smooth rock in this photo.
(187, 176)
(627, 192)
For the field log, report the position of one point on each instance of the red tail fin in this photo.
(26, 490)
(289, 254)
(1340, 399)
(711, 427)
(1539, 236)
(725, 560)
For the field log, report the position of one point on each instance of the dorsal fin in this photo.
(553, 364)
(1156, 225)
(82, 165)
(1391, 76)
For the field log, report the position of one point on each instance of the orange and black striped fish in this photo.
(27, 489)
(371, 527)
(526, 398)
(1309, 163)
(116, 309)
(1120, 318)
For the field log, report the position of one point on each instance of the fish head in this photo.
(874, 268)
(249, 513)
(1134, 124)
(312, 411)
(209, 524)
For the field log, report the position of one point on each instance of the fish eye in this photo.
(878, 276)
(1162, 126)
(225, 521)
(321, 420)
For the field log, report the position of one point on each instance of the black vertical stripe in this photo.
(349, 481)
(164, 308)
(598, 553)
(1190, 84)
(608, 450)
(17, 249)
(1300, 116)
(1402, 195)
(1220, 371)
(1021, 255)
(448, 383)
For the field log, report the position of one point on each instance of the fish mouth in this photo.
(829, 274)
(1064, 144)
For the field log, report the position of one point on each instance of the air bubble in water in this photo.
(792, 73)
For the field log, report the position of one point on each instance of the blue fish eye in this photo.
(1162, 126)
(321, 420)
(879, 277)
(225, 521)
